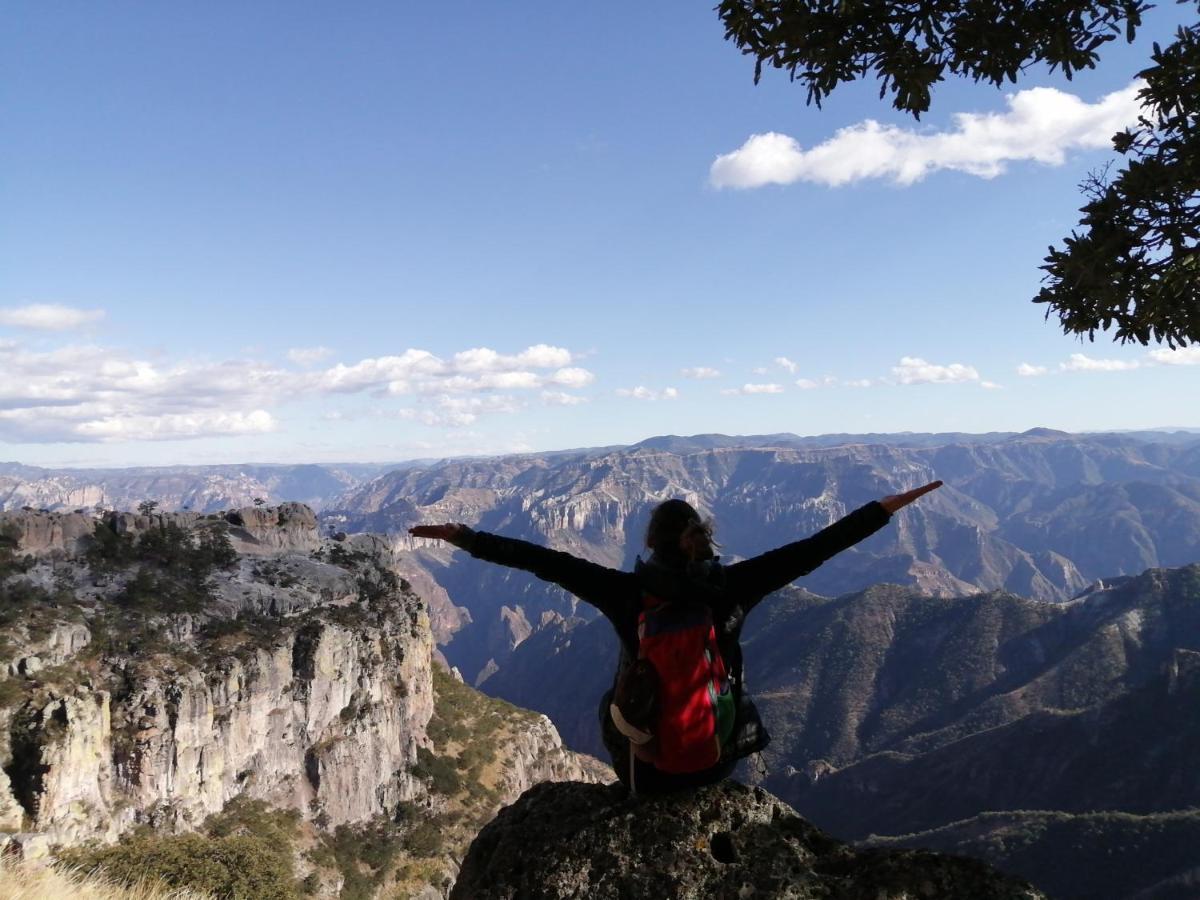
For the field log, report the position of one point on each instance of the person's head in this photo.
(677, 533)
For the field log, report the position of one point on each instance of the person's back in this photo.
(678, 714)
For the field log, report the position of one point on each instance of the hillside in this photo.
(574, 841)
(1040, 515)
(202, 489)
(158, 671)
(895, 713)
(1082, 856)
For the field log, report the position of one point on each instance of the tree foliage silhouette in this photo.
(1134, 264)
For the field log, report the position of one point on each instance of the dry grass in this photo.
(33, 881)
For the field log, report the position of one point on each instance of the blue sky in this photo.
(290, 232)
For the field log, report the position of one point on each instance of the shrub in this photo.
(10, 561)
(229, 868)
(242, 815)
(20, 596)
(373, 846)
(424, 839)
(440, 772)
(11, 692)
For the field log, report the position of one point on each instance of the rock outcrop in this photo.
(1035, 515)
(200, 488)
(536, 754)
(40, 532)
(296, 671)
(324, 717)
(568, 840)
(259, 530)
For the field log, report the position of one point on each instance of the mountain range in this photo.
(172, 488)
(1022, 732)
(1041, 515)
(1009, 669)
(162, 673)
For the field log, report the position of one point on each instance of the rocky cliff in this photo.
(726, 841)
(892, 712)
(1039, 515)
(152, 668)
(200, 488)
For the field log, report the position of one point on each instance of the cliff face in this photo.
(261, 530)
(1134, 753)
(200, 488)
(298, 672)
(322, 710)
(725, 841)
(1038, 515)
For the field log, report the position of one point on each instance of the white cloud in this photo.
(1181, 356)
(378, 372)
(177, 425)
(641, 392)
(458, 412)
(1041, 124)
(914, 370)
(746, 389)
(543, 356)
(991, 386)
(1025, 370)
(561, 398)
(90, 393)
(478, 369)
(700, 372)
(572, 377)
(858, 383)
(307, 356)
(809, 384)
(1081, 363)
(539, 356)
(511, 381)
(49, 317)
(786, 363)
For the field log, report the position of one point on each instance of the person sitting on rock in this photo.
(678, 715)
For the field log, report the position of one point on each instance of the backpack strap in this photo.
(637, 736)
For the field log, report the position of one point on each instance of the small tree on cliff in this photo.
(147, 507)
(1135, 265)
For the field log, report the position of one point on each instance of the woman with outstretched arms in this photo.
(678, 715)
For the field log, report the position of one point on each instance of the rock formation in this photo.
(298, 671)
(1038, 515)
(566, 840)
(202, 489)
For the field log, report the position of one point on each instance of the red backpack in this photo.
(674, 702)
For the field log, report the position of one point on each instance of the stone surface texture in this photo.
(322, 706)
(570, 840)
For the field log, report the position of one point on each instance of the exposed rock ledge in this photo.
(572, 840)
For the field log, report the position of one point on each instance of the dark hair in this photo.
(669, 520)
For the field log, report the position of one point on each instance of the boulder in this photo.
(567, 839)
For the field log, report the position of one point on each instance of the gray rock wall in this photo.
(318, 700)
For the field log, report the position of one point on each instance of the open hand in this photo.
(893, 502)
(451, 532)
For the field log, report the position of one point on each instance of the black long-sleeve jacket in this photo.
(730, 591)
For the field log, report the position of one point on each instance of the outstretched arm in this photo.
(607, 589)
(754, 578)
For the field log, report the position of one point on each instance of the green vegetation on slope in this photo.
(244, 853)
(1074, 857)
(172, 568)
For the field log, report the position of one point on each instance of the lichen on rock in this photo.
(571, 840)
